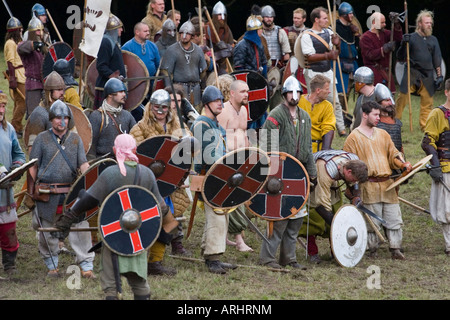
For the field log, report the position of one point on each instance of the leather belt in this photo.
(378, 179)
(53, 187)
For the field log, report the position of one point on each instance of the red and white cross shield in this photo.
(130, 220)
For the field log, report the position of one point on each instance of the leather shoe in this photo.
(228, 265)
(215, 266)
(157, 269)
(296, 265)
(273, 265)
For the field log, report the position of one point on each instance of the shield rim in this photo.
(332, 240)
(280, 153)
(298, 53)
(416, 167)
(114, 192)
(165, 136)
(20, 170)
(220, 161)
(72, 67)
(278, 76)
(83, 175)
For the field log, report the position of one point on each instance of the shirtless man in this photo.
(234, 120)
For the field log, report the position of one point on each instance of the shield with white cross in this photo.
(285, 192)
(235, 178)
(258, 94)
(169, 160)
(129, 220)
(84, 182)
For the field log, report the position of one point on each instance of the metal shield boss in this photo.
(129, 220)
(235, 178)
(136, 89)
(82, 127)
(58, 50)
(348, 236)
(85, 181)
(285, 192)
(258, 95)
(168, 158)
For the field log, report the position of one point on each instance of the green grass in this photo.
(423, 276)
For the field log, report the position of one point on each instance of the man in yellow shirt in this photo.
(320, 110)
(16, 73)
(70, 94)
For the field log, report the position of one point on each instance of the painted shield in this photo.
(84, 182)
(274, 80)
(135, 68)
(400, 71)
(348, 235)
(235, 178)
(285, 192)
(18, 171)
(168, 158)
(82, 127)
(58, 50)
(293, 69)
(129, 220)
(258, 95)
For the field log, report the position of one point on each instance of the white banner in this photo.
(96, 18)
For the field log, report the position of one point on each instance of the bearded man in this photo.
(426, 58)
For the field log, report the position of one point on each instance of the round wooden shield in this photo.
(348, 235)
(274, 79)
(82, 127)
(258, 95)
(58, 50)
(18, 171)
(400, 71)
(285, 192)
(298, 53)
(414, 170)
(293, 69)
(235, 178)
(135, 68)
(84, 182)
(169, 160)
(129, 220)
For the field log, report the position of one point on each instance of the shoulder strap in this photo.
(74, 171)
(318, 38)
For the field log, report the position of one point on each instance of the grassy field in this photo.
(423, 276)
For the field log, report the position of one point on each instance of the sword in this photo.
(252, 225)
(441, 180)
(360, 207)
(7, 8)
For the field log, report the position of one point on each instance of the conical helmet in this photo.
(54, 81)
(382, 93)
(13, 24)
(113, 22)
(253, 23)
(35, 24)
(220, 9)
(187, 28)
(291, 84)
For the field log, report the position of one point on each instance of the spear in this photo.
(408, 68)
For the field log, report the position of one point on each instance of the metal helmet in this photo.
(364, 75)
(291, 84)
(169, 28)
(382, 93)
(13, 24)
(35, 24)
(345, 8)
(113, 22)
(267, 11)
(54, 81)
(253, 23)
(113, 85)
(220, 9)
(161, 98)
(38, 10)
(187, 28)
(59, 109)
(211, 93)
(62, 67)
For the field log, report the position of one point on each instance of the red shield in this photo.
(235, 178)
(285, 192)
(58, 50)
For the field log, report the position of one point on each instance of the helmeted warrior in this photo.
(364, 86)
(38, 11)
(16, 72)
(168, 36)
(109, 58)
(184, 61)
(110, 119)
(71, 96)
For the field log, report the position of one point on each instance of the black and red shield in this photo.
(168, 159)
(136, 89)
(235, 178)
(285, 192)
(129, 220)
(84, 182)
(258, 95)
(58, 50)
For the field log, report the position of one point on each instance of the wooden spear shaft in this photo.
(54, 25)
(408, 68)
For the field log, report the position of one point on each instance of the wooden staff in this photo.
(200, 20)
(173, 17)
(17, 89)
(415, 206)
(54, 25)
(374, 227)
(408, 69)
(390, 54)
(82, 53)
(332, 22)
(230, 68)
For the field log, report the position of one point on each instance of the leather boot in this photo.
(157, 269)
(178, 249)
(144, 297)
(214, 266)
(9, 261)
